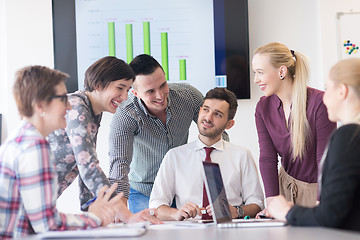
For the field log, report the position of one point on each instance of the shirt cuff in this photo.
(122, 187)
(94, 221)
(291, 215)
(257, 201)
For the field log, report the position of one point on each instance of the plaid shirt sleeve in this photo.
(38, 191)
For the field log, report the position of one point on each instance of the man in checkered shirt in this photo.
(155, 118)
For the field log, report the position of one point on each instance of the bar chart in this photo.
(171, 32)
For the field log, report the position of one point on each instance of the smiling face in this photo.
(266, 75)
(153, 90)
(213, 119)
(55, 110)
(115, 93)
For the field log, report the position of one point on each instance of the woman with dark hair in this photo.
(28, 186)
(107, 82)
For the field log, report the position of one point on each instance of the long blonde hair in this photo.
(298, 71)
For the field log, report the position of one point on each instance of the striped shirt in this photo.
(139, 141)
(28, 188)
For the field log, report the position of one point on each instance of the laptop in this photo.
(219, 203)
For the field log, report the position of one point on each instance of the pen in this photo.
(85, 206)
(264, 216)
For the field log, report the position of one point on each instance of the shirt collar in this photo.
(277, 102)
(219, 145)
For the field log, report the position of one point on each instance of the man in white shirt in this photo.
(180, 173)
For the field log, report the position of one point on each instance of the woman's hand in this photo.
(278, 207)
(104, 208)
(145, 215)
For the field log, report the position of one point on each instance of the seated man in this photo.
(180, 174)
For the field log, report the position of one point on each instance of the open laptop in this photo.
(219, 202)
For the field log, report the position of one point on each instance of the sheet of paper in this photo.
(111, 231)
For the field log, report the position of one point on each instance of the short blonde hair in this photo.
(347, 72)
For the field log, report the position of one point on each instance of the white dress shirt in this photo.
(180, 175)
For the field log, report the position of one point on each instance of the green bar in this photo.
(111, 30)
(146, 29)
(164, 54)
(129, 43)
(182, 66)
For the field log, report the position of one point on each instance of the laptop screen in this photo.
(216, 192)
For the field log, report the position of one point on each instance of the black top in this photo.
(340, 185)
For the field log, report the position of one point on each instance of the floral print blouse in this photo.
(75, 149)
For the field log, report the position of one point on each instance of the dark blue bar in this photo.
(219, 37)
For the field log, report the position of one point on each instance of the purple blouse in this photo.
(274, 140)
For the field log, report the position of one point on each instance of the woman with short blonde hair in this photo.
(340, 179)
(27, 170)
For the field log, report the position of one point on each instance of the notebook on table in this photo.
(219, 203)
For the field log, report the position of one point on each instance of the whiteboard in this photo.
(348, 35)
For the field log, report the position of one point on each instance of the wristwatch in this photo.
(240, 211)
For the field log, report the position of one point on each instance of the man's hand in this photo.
(188, 210)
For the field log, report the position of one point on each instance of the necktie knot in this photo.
(208, 151)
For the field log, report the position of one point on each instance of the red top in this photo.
(274, 140)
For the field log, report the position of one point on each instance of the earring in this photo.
(42, 114)
(282, 77)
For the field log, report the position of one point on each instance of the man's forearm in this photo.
(166, 213)
(123, 186)
(251, 210)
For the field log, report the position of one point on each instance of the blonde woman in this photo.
(340, 179)
(292, 123)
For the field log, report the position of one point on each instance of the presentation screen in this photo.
(203, 43)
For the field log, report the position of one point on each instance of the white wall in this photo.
(328, 10)
(26, 39)
(307, 26)
(3, 54)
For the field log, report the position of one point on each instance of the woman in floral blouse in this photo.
(106, 83)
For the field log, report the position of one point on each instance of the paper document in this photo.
(112, 231)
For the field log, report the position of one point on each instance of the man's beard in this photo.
(213, 133)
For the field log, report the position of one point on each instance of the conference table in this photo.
(252, 233)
